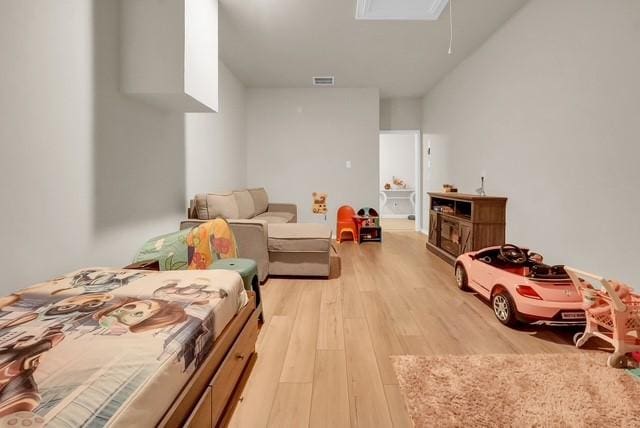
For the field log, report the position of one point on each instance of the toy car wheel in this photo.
(504, 309)
(617, 361)
(461, 277)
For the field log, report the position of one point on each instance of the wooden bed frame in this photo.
(210, 396)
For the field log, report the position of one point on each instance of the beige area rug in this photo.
(550, 390)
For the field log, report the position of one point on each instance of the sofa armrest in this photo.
(287, 208)
(252, 239)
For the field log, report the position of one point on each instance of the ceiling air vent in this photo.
(324, 81)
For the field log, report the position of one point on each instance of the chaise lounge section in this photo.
(299, 249)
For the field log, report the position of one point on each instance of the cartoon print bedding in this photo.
(105, 347)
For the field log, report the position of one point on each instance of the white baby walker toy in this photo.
(613, 314)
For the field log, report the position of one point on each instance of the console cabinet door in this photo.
(466, 238)
(450, 236)
(433, 228)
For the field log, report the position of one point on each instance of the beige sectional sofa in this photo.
(267, 232)
(249, 212)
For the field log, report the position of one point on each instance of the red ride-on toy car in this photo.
(520, 287)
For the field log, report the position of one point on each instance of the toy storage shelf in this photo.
(369, 229)
(370, 234)
(459, 223)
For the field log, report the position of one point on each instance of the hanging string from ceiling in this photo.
(450, 27)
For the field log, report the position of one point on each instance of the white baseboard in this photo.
(424, 232)
(403, 216)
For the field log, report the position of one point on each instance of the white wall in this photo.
(436, 168)
(298, 142)
(548, 108)
(397, 158)
(400, 113)
(216, 142)
(88, 173)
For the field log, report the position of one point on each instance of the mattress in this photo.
(108, 347)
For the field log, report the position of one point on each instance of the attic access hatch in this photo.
(405, 10)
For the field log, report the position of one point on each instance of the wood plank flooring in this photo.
(323, 352)
(398, 224)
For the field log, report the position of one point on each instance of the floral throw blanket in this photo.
(195, 248)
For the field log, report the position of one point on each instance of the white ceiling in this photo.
(284, 43)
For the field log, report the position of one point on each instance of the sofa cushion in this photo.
(213, 205)
(299, 237)
(260, 200)
(270, 219)
(275, 217)
(246, 208)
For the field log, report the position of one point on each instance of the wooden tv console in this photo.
(459, 223)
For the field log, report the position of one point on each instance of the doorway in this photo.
(400, 179)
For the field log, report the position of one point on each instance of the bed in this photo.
(120, 347)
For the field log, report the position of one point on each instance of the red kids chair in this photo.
(346, 223)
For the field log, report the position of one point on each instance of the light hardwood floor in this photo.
(397, 224)
(323, 352)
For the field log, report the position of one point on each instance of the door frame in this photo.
(417, 134)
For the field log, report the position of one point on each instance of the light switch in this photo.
(348, 164)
